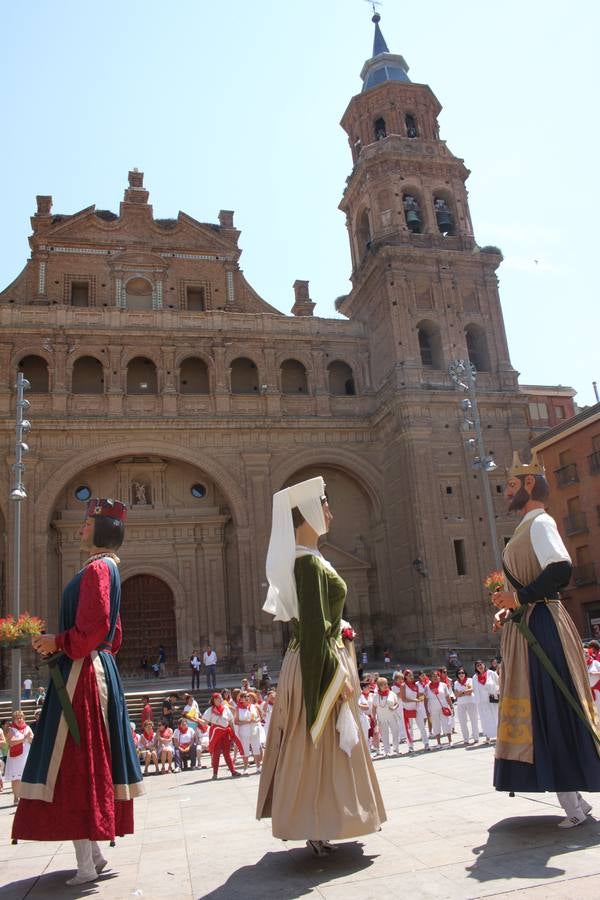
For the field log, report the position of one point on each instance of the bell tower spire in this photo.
(410, 230)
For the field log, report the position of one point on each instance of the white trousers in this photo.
(421, 723)
(364, 724)
(440, 724)
(570, 802)
(388, 725)
(88, 855)
(468, 711)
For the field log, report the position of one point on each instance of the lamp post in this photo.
(17, 495)
(464, 373)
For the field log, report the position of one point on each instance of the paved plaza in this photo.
(449, 835)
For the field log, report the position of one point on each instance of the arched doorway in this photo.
(147, 620)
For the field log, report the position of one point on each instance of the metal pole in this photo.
(16, 607)
(18, 494)
(487, 491)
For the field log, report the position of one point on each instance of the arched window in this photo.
(477, 347)
(411, 126)
(35, 370)
(139, 294)
(412, 213)
(341, 379)
(88, 377)
(379, 128)
(293, 377)
(141, 376)
(244, 377)
(193, 376)
(363, 233)
(430, 345)
(443, 215)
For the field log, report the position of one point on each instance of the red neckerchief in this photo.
(219, 709)
(462, 679)
(383, 693)
(413, 687)
(434, 686)
(149, 737)
(444, 679)
(20, 728)
(482, 678)
(167, 734)
(425, 681)
(183, 728)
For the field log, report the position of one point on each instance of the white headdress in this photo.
(282, 600)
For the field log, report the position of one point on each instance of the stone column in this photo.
(213, 547)
(222, 397)
(115, 380)
(259, 494)
(320, 382)
(169, 389)
(59, 377)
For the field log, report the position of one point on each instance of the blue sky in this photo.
(236, 105)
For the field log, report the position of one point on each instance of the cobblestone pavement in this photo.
(449, 835)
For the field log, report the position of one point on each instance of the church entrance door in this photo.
(147, 620)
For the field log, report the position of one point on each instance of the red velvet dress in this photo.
(83, 804)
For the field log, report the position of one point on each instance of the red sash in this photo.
(595, 688)
(16, 750)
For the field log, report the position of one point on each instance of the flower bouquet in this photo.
(16, 633)
(494, 582)
(347, 631)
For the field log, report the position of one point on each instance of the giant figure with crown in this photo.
(548, 738)
(82, 772)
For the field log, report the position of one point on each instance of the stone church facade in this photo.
(159, 376)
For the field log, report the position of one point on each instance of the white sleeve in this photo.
(547, 542)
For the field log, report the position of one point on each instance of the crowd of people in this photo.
(233, 727)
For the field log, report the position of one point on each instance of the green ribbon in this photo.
(63, 697)
(517, 616)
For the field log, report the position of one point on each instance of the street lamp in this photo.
(464, 373)
(17, 495)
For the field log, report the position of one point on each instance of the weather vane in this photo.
(374, 4)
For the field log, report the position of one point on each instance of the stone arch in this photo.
(341, 378)
(194, 376)
(36, 370)
(294, 377)
(430, 344)
(446, 221)
(87, 375)
(413, 204)
(57, 480)
(477, 347)
(244, 376)
(357, 467)
(142, 370)
(138, 292)
(362, 233)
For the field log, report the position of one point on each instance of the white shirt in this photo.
(195, 662)
(27, 684)
(210, 659)
(546, 541)
(183, 737)
(223, 721)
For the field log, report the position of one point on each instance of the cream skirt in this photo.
(318, 792)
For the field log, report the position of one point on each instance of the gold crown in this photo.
(532, 468)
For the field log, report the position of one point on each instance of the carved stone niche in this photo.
(142, 481)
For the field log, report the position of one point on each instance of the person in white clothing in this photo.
(384, 706)
(437, 695)
(466, 707)
(486, 690)
(398, 681)
(183, 741)
(593, 668)
(209, 659)
(413, 701)
(247, 721)
(267, 711)
(364, 709)
(19, 737)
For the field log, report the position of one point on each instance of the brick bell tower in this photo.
(427, 294)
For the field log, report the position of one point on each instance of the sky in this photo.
(236, 105)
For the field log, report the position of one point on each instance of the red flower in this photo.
(348, 633)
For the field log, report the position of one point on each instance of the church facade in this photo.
(160, 377)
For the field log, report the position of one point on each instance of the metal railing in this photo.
(594, 462)
(566, 475)
(575, 523)
(584, 574)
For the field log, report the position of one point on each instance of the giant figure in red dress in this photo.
(82, 772)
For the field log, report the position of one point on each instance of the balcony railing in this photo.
(566, 475)
(594, 462)
(584, 574)
(575, 523)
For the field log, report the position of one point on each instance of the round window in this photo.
(198, 491)
(83, 492)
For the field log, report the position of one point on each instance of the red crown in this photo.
(112, 508)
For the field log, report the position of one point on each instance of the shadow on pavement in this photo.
(521, 846)
(290, 873)
(53, 885)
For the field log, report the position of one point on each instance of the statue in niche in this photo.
(139, 493)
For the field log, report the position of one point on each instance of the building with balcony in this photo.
(159, 376)
(571, 455)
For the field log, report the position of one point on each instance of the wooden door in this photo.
(147, 620)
